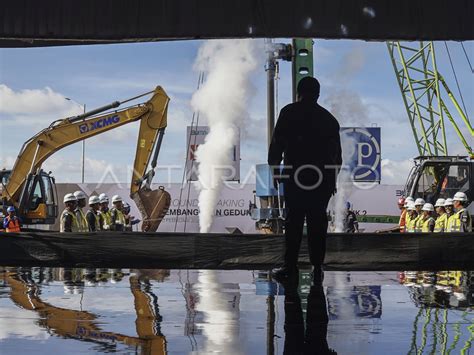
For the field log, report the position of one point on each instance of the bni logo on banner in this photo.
(361, 151)
(195, 136)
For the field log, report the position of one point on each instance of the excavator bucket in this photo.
(153, 205)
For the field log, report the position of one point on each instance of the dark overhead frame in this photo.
(31, 23)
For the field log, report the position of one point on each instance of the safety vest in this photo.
(411, 225)
(120, 218)
(407, 221)
(74, 226)
(81, 220)
(425, 224)
(403, 221)
(106, 218)
(13, 225)
(418, 223)
(454, 222)
(96, 219)
(441, 223)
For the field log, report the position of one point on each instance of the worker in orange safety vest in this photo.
(11, 223)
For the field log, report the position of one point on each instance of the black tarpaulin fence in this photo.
(452, 251)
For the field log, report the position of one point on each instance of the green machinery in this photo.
(427, 98)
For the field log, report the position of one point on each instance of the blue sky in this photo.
(358, 85)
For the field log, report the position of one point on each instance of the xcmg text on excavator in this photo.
(33, 191)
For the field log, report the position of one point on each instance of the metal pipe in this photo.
(93, 112)
(83, 151)
(270, 68)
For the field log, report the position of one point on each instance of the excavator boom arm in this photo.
(153, 116)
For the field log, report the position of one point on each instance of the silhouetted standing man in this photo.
(306, 136)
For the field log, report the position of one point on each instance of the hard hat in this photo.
(419, 202)
(409, 198)
(439, 202)
(448, 202)
(103, 198)
(401, 201)
(411, 206)
(428, 207)
(93, 200)
(460, 196)
(69, 198)
(116, 198)
(79, 195)
(11, 209)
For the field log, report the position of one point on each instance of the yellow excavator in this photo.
(32, 191)
(83, 325)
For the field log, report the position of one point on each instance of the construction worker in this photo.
(419, 203)
(104, 212)
(117, 219)
(130, 221)
(80, 216)
(442, 219)
(411, 210)
(92, 215)
(460, 221)
(68, 220)
(11, 223)
(351, 225)
(408, 200)
(403, 215)
(427, 221)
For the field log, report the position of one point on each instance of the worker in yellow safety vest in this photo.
(81, 217)
(413, 217)
(117, 219)
(419, 203)
(68, 220)
(427, 222)
(408, 200)
(460, 221)
(104, 212)
(442, 220)
(92, 216)
(449, 208)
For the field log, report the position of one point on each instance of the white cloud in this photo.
(395, 172)
(34, 106)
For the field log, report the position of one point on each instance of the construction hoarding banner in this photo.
(232, 206)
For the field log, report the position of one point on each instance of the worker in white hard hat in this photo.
(104, 212)
(460, 221)
(419, 203)
(408, 200)
(411, 212)
(427, 221)
(92, 216)
(68, 220)
(81, 217)
(130, 220)
(117, 219)
(442, 218)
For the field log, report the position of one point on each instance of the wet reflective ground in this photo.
(61, 311)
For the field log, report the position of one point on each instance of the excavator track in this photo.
(153, 206)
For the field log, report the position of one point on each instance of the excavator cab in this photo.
(440, 177)
(38, 200)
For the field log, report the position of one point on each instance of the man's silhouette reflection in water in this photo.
(313, 340)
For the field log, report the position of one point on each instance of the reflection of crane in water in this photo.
(434, 293)
(82, 325)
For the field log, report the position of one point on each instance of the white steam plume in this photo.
(344, 182)
(223, 100)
